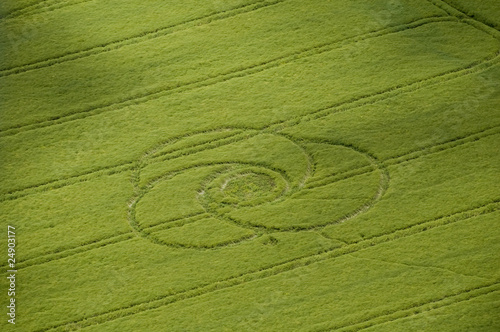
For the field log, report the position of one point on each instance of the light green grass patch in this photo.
(89, 211)
(282, 165)
(304, 299)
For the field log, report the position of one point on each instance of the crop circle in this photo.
(261, 183)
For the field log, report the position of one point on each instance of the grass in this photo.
(483, 11)
(251, 165)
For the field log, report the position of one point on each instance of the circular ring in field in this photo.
(223, 187)
(243, 186)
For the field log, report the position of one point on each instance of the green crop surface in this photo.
(250, 165)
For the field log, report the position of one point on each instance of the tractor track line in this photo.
(137, 38)
(408, 156)
(140, 98)
(60, 253)
(419, 308)
(357, 102)
(94, 244)
(97, 243)
(416, 153)
(41, 6)
(272, 270)
(411, 155)
(126, 166)
(451, 10)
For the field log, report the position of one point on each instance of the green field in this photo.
(250, 165)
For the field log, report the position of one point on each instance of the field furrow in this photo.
(274, 270)
(135, 39)
(40, 7)
(218, 78)
(250, 165)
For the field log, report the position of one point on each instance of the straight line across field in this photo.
(138, 38)
(224, 77)
(419, 308)
(94, 244)
(129, 166)
(415, 175)
(447, 7)
(164, 90)
(146, 35)
(411, 155)
(344, 106)
(276, 269)
(40, 7)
